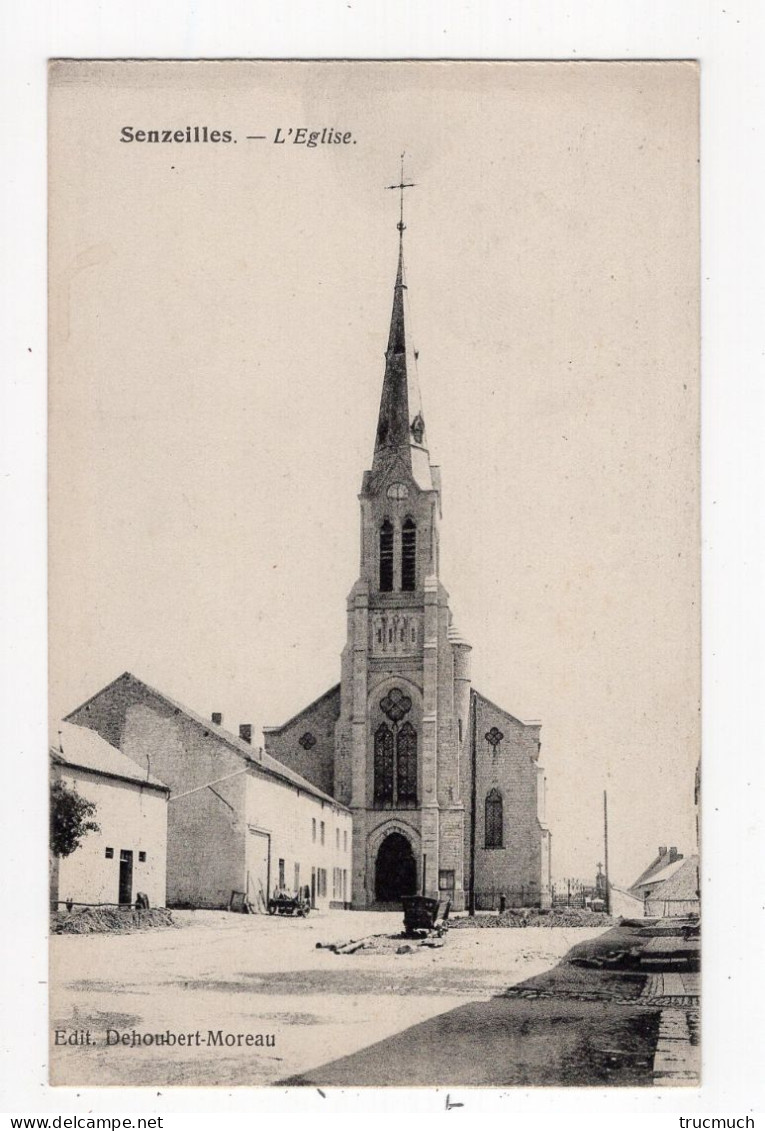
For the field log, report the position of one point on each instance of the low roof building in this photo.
(128, 853)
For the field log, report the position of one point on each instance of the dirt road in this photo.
(249, 1000)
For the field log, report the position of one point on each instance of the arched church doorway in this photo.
(395, 869)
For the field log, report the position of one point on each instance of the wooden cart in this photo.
(425, 916)
(285, 904)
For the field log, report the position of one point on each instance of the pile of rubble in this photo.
(112, 920)
(537, 917)
(381, 944)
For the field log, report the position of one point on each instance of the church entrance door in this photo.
(395, 869)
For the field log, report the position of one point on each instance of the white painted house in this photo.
(129, 853)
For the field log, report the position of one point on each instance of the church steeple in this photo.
(400, 436)
(394, 423)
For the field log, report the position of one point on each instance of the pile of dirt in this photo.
(112, 920)
(537, 917)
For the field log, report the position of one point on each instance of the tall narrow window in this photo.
(386, 557)
(406, 764)
(408, 555)
(494, 819)
(383, 764)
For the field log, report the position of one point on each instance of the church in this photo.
(444, 787)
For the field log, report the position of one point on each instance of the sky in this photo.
(219, 315)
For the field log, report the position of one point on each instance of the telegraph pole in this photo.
(473, 760)
(605, 850)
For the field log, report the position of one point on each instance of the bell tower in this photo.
(405, 687)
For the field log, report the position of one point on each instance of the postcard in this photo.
(374, 573)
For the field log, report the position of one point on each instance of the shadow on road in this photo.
(576, 1025)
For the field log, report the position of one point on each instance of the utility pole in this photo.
(473, 761)
(605, 850)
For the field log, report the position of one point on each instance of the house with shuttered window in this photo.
(237, 820)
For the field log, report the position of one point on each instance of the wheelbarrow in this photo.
(425, 916)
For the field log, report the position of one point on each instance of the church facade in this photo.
(444, 787)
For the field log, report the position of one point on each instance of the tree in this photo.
(70, 819)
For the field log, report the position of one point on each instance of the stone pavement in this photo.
(677, 1060)
(678, 989)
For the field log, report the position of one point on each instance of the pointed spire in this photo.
(393, 422)
(400, 425)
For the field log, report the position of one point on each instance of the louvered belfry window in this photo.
(493, 819)
(386, 557)
(406, 764)
(408, 556)
(383, 764)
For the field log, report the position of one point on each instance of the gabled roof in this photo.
(657, 864)
(682, 883)
(258, 762)
(662, 875)
(83, 749)
(304, 711)
(502, 711)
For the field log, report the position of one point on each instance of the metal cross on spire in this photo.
(401, 186)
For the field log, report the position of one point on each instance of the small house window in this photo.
(322, 832)
(141, 857)
(345, 840)
(109, 853)
(337, 838)
(446, 880)
(313, 829)
(281, 875)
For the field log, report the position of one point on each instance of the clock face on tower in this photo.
(398, 491)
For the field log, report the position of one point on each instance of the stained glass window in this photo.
(383, 764)
(494, 737)
(395, 705)
(494, 819)
(407, 764)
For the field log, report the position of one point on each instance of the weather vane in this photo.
(401, 186)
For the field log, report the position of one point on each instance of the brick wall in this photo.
(314, 759)
(509, 767)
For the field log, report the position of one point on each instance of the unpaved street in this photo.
(264, 976)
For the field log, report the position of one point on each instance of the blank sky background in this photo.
(218, 321)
